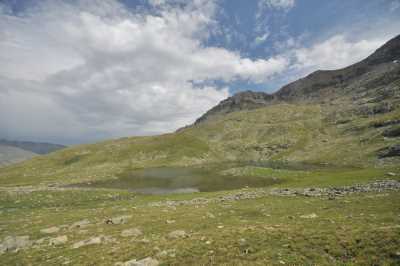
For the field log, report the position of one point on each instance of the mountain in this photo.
(35, 147)
(18, 151)
(10, 155)
(369, 76)
(347, 117)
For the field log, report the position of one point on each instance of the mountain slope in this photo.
(10, 155)
(380, 69)
(35, 147)
(352, 120)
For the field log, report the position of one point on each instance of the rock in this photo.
(15, 243)
(40, 241)
(391, 151)
(166, 253)
(210, 215)
(390, 174)
(135, 232)
(118, 220)
(80, 224)
(92, 241)
(144, 262)
(50, 230)
(60, 240)
(242, 242)
(177, 234)
(309, 216)
(392, 133)
(170, 221)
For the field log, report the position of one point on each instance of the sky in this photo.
(81, 71)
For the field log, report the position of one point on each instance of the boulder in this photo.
(144, 262)
(15, 243)
(118, 220)
(177, 234)
(309, 216)
(134, 232)
(391, 151)
(50, 230)
(60, 240)
(91, 241)
(80, 224)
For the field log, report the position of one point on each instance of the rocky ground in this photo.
(165, 232)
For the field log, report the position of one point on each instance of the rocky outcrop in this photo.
(246, 100)
(391, 151)
(329, 192)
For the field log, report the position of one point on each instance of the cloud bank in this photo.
(94, 69)
(81, 71)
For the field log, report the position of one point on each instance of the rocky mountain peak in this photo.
(245, 100)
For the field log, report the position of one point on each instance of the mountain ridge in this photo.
(35, 147)
(353, 124)
(311, 87)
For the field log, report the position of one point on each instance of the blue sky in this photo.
(85, 70)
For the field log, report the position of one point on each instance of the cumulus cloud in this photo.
(335, 52)
(94, 69)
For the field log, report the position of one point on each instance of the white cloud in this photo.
(335, 52)
(278, 4)
(101, 71)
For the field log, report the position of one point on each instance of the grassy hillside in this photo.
(311, 133)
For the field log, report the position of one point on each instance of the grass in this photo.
(261, 231)
(360, 229)
(288, 132)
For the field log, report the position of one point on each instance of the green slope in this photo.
(294, 132)
(345, 117)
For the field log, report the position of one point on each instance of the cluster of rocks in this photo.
(331, 192)
(203, 201)
(391, 151)
(15, 243)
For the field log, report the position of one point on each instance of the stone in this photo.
(309, 216)
(390, 174)
(91, 241)
(166, 253)
(177, 234)
(40, 240)
(135, 232)
(391, 151)
(60, 240)
(80, 224)
(170, 221)
(118, 220)
(14, 243)
(50, 230)
(242, 242)
(144, 262)
(210, 215)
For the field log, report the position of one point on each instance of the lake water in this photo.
(206, 178)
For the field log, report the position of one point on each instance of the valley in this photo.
(307, 175)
